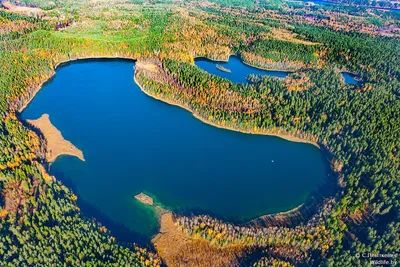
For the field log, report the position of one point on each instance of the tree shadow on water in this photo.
(292, 218)
(118, 230)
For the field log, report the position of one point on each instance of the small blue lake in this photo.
(133, 143)
(349, 78)
(239, 70)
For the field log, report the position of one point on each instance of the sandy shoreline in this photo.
(72, 150)
(56, 144)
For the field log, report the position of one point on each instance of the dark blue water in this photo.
(134, 143)
(239, 71)
(349, 78)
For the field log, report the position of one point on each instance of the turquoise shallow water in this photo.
(133, 143)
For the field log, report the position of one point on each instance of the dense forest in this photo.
(357, 126)
(279, 54)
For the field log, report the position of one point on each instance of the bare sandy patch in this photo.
(56, 144)
(145, 199)
(146, 66)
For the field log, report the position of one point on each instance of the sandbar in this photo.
(56, 145)
(145, 199)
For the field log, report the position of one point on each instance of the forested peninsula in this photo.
(356, 126)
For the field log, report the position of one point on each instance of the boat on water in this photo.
(222, 68)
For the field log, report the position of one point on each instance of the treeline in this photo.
(375, 59)
(301, 241)
(273, 51)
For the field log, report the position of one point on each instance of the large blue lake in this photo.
(133, 143)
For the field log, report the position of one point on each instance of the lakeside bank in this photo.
(56, 144)
(285, 136)
(198, 116)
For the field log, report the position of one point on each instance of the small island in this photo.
(145, 199)
(222, 68)
(56, 144)
(148, 200)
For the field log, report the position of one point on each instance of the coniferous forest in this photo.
(357, 126)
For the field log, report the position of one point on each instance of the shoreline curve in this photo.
(287, 137)
(56, 144)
